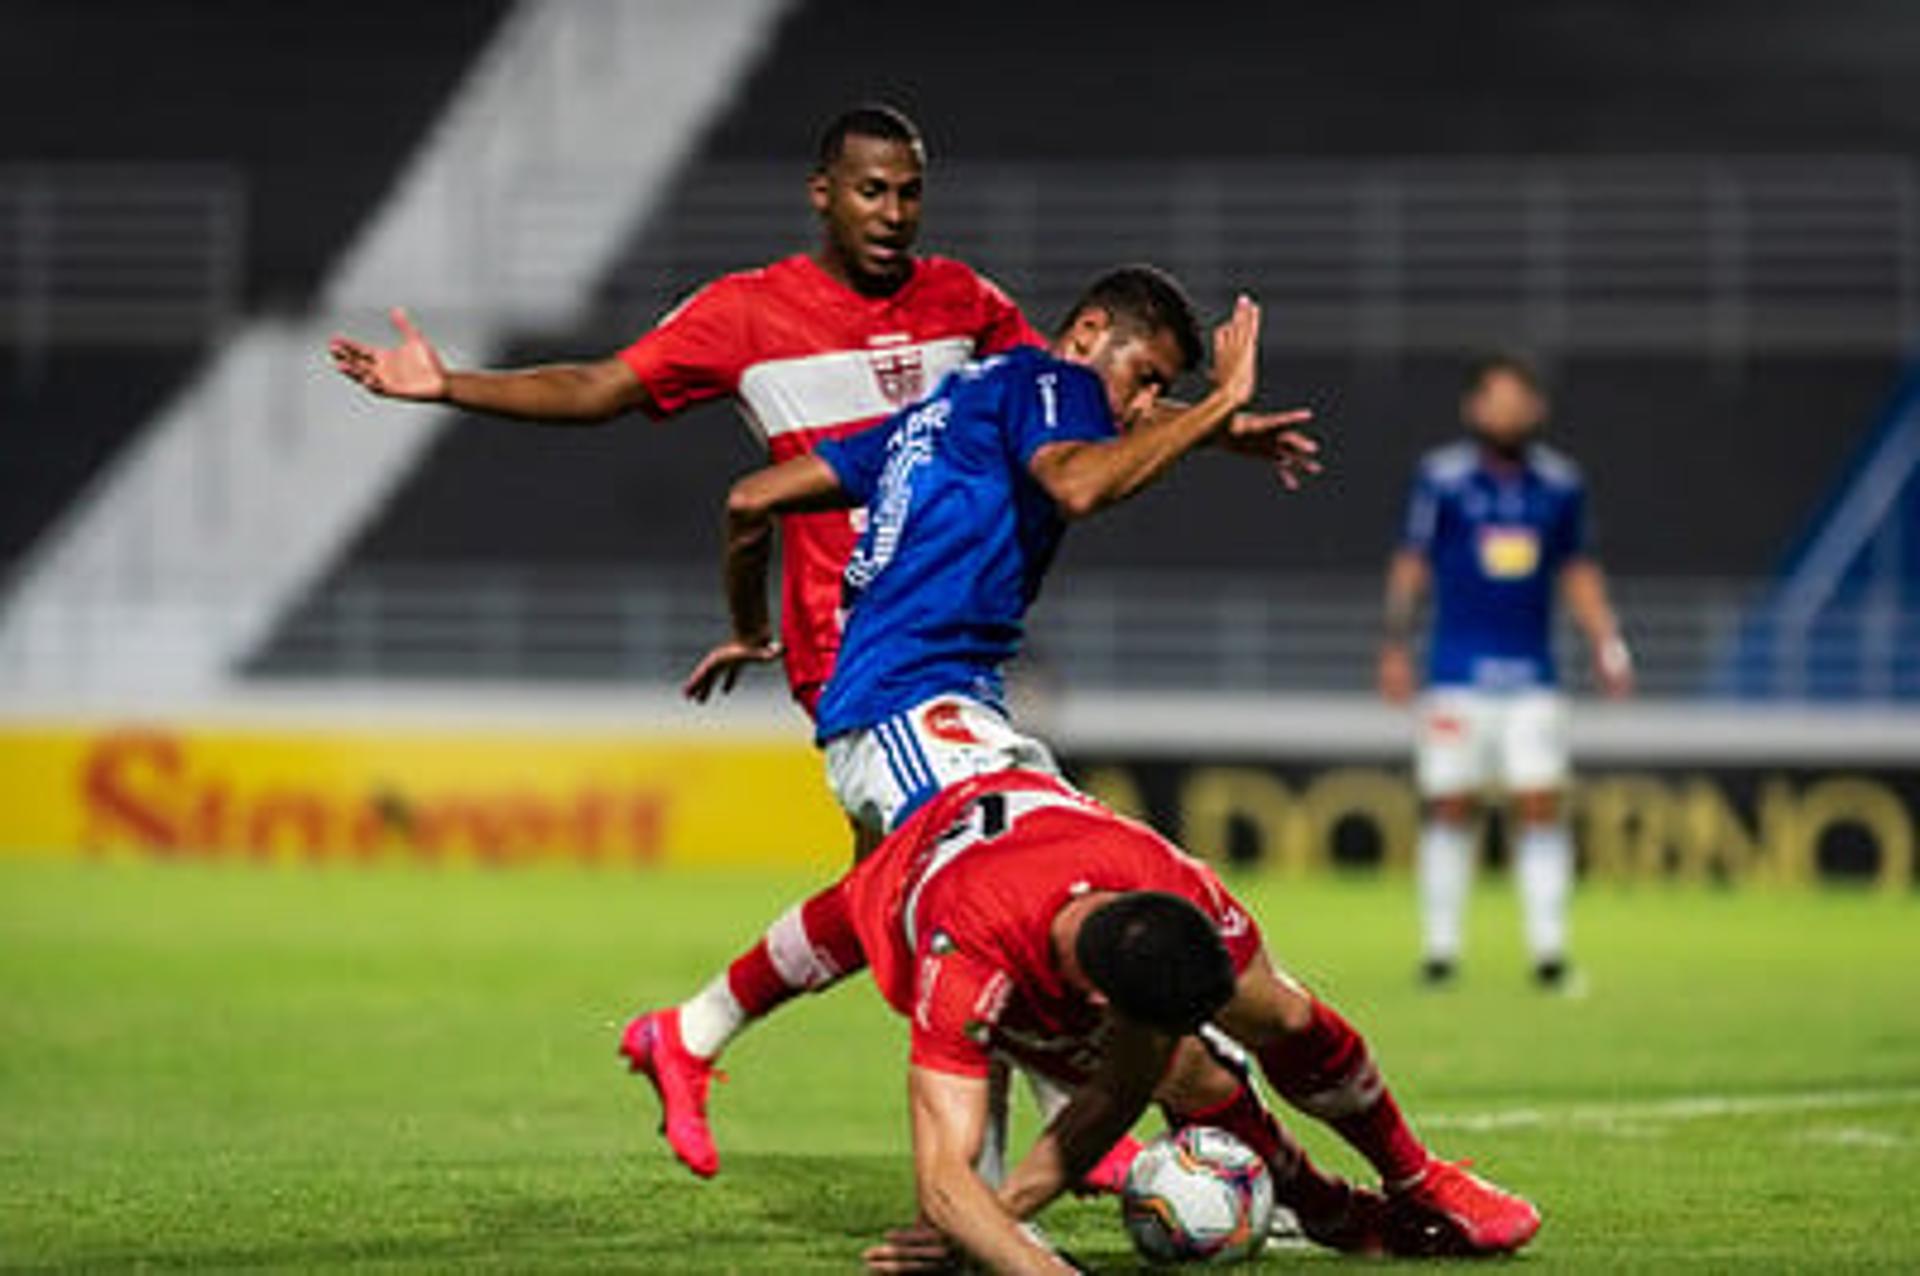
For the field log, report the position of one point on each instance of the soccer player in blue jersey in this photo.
(1496, 529)
(967, 495)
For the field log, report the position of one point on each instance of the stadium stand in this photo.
(1671, 356)
(332, 108)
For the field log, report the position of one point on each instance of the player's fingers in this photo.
(404, 322)
(698, 683)
(1249, 423)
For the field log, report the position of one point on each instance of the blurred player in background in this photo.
(1497, 526)
(1013, 915)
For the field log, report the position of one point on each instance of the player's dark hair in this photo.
(1157, 959)
(869, 119)
(1512, 363)
(1148, 298)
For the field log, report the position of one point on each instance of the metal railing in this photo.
(1733, 257)
(1095, 630)
(123, 255)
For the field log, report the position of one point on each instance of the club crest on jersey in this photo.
(945, 721)
(900, 374)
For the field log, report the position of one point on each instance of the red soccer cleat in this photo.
(1109, 1174)
(1450, 1212)
(652, 1047)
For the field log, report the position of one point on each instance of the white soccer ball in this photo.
(1198, 1196)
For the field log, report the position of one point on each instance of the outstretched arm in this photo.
(1084, 478)
(558, 394)
(796, 486)
(1584, 586)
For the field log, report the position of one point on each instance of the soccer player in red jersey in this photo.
(1014, 916)
(811, 347)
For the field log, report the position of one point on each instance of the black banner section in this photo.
(1728, 824)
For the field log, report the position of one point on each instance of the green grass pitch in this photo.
(400, 1069)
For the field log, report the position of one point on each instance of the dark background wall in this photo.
(1698, 467)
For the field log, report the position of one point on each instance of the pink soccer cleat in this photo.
(1109, 1174)
(1448, 1211)
(652, 1047)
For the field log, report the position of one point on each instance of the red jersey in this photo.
(955, 911)
(809, 359)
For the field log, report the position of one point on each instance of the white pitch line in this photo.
(1698, 1107)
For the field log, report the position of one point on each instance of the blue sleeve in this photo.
(1423, 514)
(858, 459)
(1055, 403)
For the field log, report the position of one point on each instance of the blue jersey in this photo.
(958, 534)
(1496, 538)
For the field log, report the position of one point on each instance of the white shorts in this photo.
(883, 773)
(1471, 741)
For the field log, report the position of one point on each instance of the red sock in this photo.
(811, 947)
(1325, 1071)
(1298, 1183)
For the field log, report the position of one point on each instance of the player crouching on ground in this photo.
(1013, 916)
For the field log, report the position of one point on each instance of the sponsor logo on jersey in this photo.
(947, 721)
(988, 1007)
(1508, 552)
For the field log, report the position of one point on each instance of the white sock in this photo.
(1446, 871)
(710, 1018)
(1543, 863)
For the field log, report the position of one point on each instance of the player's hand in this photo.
(1397, 683)
(1613, 668)
(410, 370)
(912, 1249)
(1269, 436)
(723, 665)
(1236, 352)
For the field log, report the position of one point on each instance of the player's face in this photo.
(1504, 410)
(1136, 367)
(869, 202)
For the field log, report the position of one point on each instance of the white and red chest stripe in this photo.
(794, 403)
(807, 359)
(807, 356)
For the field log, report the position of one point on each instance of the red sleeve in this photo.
(696, 353)
(1002, 325)
(1239, 933)
(957, 1001)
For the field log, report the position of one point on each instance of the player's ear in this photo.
(1086, 330)
(819, 190)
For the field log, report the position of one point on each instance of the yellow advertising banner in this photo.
(488, 796)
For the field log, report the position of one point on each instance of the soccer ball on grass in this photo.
(1197, 1196)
